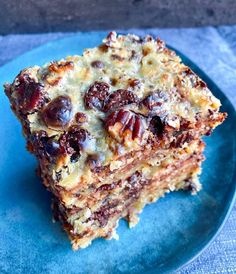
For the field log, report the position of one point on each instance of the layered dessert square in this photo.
(113, 130)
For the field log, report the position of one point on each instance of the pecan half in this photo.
(125, 126)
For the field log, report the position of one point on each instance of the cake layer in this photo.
(132, 194)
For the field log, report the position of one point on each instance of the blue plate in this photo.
(171, 232)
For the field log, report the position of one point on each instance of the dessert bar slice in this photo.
(114, 129)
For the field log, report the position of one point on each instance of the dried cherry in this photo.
(155, 100)
(74, 140)
(29, 94)
(96, 94)
(119, 98)
(156, 126)
(97, 64)
(58, 112)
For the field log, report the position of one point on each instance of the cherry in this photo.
(58, 112)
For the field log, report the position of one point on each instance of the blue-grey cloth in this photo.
(214, 51)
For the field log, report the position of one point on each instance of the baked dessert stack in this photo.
(113, 130)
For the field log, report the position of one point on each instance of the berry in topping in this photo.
(200, 84)
(119, 98)
(45, 146)
(76, 140)
(76, 137)
(80, 118)
(96, 94)
(156, 126)
(117, 57)
(94, 161)
(58, 112)
(97, 64)
(52, 148)
(28, 94)
(155, 100)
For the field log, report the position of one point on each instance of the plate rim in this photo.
(207, 79)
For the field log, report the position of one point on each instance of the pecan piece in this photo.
(125, 126)
(110, 39)
(160, 44)
(56, 71)
(133, 83)
(60, 67)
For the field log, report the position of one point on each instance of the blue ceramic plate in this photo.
(171, 232)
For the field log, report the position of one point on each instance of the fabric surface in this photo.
(214, 51)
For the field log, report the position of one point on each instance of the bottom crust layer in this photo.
(83, 226)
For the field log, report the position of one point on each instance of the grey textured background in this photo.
(31, 16)
(214, 51)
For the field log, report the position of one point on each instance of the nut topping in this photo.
(60, 67)
(125, 126)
